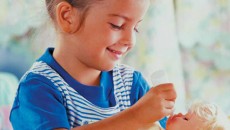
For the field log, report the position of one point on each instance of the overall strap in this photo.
(123, 79)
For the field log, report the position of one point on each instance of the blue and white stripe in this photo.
(81, 111)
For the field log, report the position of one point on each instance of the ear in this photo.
(67, 17)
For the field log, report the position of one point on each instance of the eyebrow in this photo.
(122, 16)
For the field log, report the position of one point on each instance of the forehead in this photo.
(129, 8)
(124, 3)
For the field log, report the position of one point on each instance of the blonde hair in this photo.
(212, 116)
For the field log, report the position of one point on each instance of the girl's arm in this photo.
(124, 120)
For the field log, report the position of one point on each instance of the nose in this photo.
(129, 38)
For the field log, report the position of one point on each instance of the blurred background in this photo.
(189, 39)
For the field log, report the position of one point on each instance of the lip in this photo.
(175, 117)
(115, 53)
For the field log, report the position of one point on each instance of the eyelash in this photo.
(136, 30)
(120, 27)
(115, 26)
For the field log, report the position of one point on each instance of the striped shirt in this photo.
(81, 111)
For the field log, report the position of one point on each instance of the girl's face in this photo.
(109, 31)
(184, 122)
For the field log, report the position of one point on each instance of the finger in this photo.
(169, 95)
(169, 104)
(165, 87)
(168, 112)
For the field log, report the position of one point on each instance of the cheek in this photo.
(104, 36)
(112, 37)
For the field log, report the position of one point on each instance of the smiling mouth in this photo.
(114, 51)
(115, 54)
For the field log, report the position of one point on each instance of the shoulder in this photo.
(34, 85)
(31, 78)
(139, 80)
(38, 97)
(139, 87)
(39, 73)
(136, 75)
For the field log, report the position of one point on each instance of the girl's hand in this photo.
(156, 104)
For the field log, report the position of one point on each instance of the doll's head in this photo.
(201, 116)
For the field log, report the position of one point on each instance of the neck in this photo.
(79, 71)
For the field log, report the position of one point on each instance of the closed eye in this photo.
(115, 26)
(185, 118)
(120, 27)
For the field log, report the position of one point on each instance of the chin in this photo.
(107, 67)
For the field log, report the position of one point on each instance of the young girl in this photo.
(79, 84)
(201, 116)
